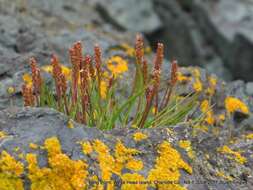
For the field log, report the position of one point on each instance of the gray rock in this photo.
(133, 15)
(228, 26)
(34, 125)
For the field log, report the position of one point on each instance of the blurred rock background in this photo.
(216, 35)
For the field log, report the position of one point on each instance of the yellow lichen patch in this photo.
(133, 181)
(139, 136)
(122, 156)
(70, 124)
(207, 110)
(232, 154)
(249, 136)
(11, 90)
(135, 165)
(197, 85)
(62, 171)
(224, 176)
(221, 117)
(65, 70)
(103, 89)
(167, 168)
(233, 104)
(2, 134)
(117, 65)
(86, 147)
(186, 145)
(196, 73)
(10, 172)
(212, 86)
(33, 146)
(201, 128)
(27, 79)
(105, 160)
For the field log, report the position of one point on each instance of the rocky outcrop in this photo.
(135, 154)
(212, 34)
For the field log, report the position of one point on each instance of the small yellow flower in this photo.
(117, 65)
(11, 90)
(197, 85)
(65, 70)
(128, 49)
(182, 78)
(233, 104)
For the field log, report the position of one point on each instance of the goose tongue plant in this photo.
(89, 97)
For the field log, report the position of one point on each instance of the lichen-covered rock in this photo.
(50, 154)
(39, 145)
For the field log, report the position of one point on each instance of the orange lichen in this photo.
(186, 145)
(197, 85)
(86, 147)
(224, 176)
(33, 146)
(135, 165)
(232, 154)
(233, 104)
(167, 168)
(133, 181)
(212, 86)
(207, 110)
(62, 171)
(10, 173)
(139, 136)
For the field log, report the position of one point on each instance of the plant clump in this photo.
(88, 93)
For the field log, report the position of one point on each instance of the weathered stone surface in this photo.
(23, 126)
(228, 26)
(133, 15)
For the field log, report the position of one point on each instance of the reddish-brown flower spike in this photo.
(145, 71)
(57, 71)
(78, 49)
(97, 51)
(139, 48)
(174, 71)
(88, 62)
(159, 56)
(27, 95)
(63, 84)
(36, 78)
